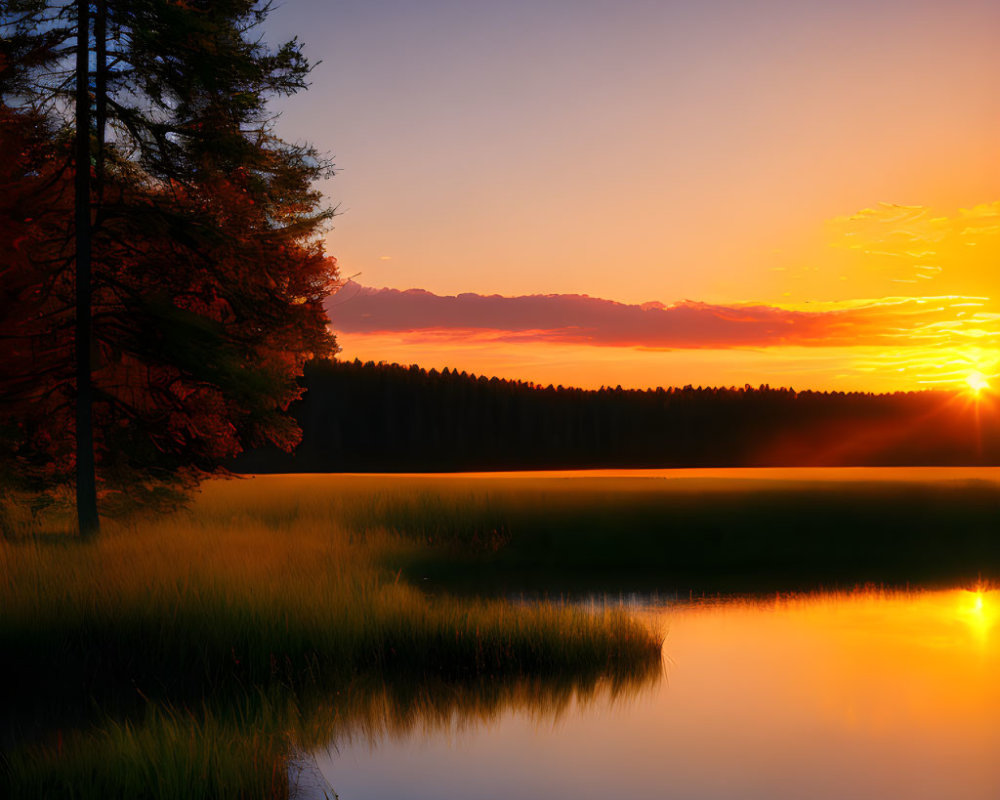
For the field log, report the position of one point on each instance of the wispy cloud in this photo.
(906, 243)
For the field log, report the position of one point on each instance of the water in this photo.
(848, 695)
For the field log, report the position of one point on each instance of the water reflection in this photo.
(260, 742)
(867, 694)
(980, 610)
(371, 712)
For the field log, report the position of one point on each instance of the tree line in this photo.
(386, 417)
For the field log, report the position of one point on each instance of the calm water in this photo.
(860, 695)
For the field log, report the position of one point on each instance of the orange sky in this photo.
(764, 152)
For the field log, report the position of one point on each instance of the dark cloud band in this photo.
(580, 319)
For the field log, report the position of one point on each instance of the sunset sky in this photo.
(787, 192)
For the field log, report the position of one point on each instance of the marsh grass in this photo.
(245, 749)
(552, 535)
(167, 755)
(183, 652)
(175, 605)
(193, 652)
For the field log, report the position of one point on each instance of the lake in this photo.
(847, 694)
(376, 636)
(863, 694)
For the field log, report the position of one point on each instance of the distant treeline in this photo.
(359, 417)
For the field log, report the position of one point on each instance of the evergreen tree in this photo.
(208, 273)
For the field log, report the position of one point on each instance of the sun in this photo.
(977, 382)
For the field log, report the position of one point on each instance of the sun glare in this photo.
(977, 382)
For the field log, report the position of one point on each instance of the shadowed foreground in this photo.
(692, 530)
(189, 656)
(194, 655)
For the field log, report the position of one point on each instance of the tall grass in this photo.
(749, 534)
(165, 756)
(187, 655)
(139, 659)
(248, 749)
(199, 598)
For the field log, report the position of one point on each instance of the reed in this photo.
(550, 534)
(135, 657)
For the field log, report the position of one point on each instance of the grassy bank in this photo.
(196, 652)
(184, 651)
(244, 749)
(704, 534)
(206, 597)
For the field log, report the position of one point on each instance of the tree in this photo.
(86, 469)
(208, 273)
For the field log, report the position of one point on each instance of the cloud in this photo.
(580, 319)
(904, 243)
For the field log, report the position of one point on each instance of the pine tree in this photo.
(208, 273)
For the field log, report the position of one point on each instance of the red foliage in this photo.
(206, 306)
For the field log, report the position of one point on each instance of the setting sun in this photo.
(977, 382)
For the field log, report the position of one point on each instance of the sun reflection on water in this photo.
(866, 693)
(978, 608)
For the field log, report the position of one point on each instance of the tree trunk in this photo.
(101, 95)
(86, 483)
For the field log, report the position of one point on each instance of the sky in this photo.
(829, 172)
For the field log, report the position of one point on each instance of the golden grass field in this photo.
(188, 654)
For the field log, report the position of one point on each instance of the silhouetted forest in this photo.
(375, 417)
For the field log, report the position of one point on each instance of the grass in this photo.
(189, 655)
(244, 749)
(213, 595)
(183, 652)
(551, 534)
(167, 755)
